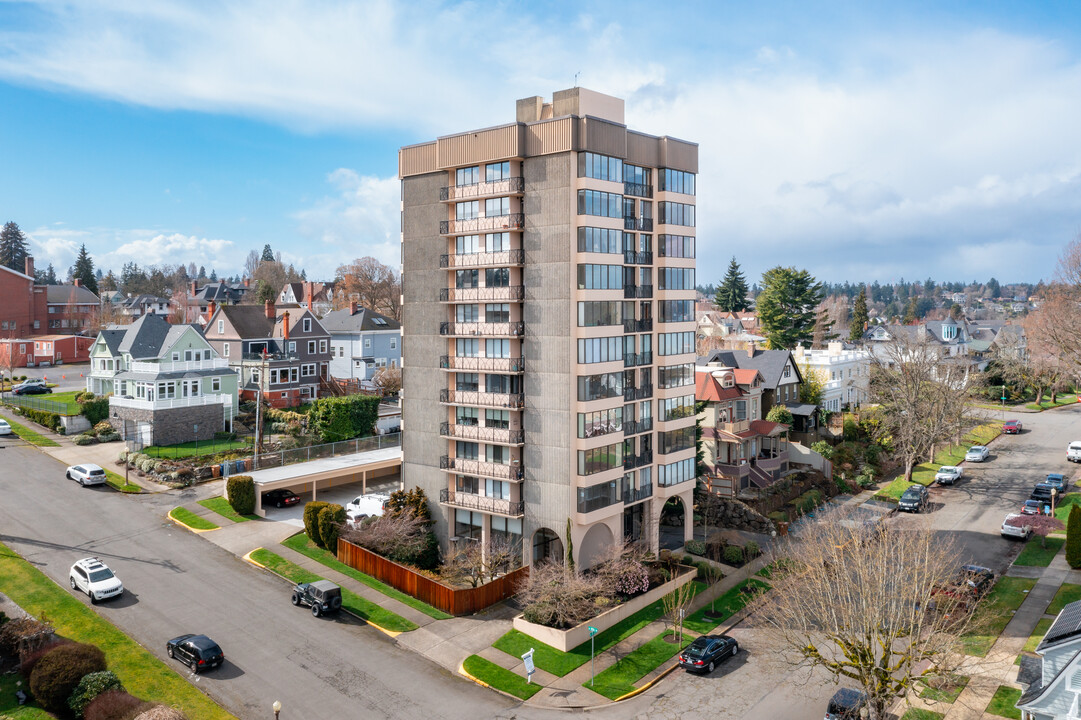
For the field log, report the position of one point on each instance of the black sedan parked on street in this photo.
(198, 652)
(31, 389)
(280, 498)
(702, 655)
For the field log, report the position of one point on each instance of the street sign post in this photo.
(529, 668)
(592, 666)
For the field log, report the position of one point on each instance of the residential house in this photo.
(741, 450)
(781, 378)
(199, 302)
(362, 342)
(44, 350)
(30, 309)
(844, 374)
(315, 296)
(139, 305)
(1053, 679)
(284, 353)
(167, 384)
(71, 308)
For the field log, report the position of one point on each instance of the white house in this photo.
(1054, 678)
(843, 373)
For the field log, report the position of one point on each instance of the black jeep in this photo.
(323, 596)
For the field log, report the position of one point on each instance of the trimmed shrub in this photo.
(84, 439)
(58, 673)
(42, 417)
(15, 631)
(343, 418)
(223, 435)
(311, 520)
(752, 549)
(108, 437)
(1073, 537)
(733, 555)
(95, 410)
(84, 396)
(696, 547)
(241, 490)
(704, 570)
(28, 661)
(103, 426)
(90, 687)
(115, 705)
(330, 520)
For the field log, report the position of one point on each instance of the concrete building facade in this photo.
(548, 328)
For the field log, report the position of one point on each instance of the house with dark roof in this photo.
(282, 353)
(315, 296)
(71, 308)
(1053, 678)
(166, 385)
(199, 302)
(781, 378)
(139, 305)
(362, 342)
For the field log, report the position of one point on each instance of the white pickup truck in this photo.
(1073, 452)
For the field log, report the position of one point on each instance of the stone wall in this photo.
(172, 426)
(737, 516)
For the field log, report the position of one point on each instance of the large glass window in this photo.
(467, 244)
(670, 376)
(497, 277)
(495, 348)
(675, 343)
(600, 459)
(675, 473)
(466, 210)
(467, 313)
(670, 278)
(600, 277)
(502, 383)
(676, 408)
(600, 167)
(596, 314)
(468, 525)
(465, 416)
(601, 422)
(466, 450)
(497, 312)
(466, 382)
(467, 347)
(637, 175)
(497, 419)
(597, 497)
(677, 214)
(675, 310)
(600, 350)
(499, 455)
(595, 202)
(678, 246)
(675, 440)
(467, 176)
(496, 171)
(600, 386)
(599, 240)
(496, 242)
(496, 206)
(465, 278)
(677, 181)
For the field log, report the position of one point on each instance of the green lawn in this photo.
(948, 693)
(619, 679)
(361, 607)
(190, 449)
(500, 678)
(1002, 704)
(1035, 555)
(117, 483)
(32, 436)
(195, 522)
(62, 403)
(10, 708)
(1067, 593)
(1059, 402)
(924, 474)
(303, 545)
(921, 714)
(726, 606)
(560, 663)
(142, 674)
(1062, 507)
(222, 507)
(995, 612)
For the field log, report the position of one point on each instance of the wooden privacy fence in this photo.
(456, 601)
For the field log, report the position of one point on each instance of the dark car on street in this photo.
(970, 584)
(703, 655)
(1032, 507)
(1012, 427)
(280, 498)
(1043, 492)
(31, 389)
(914, 499)
(846, 704)
(1057, 481)
(323, 596)
(198, 652)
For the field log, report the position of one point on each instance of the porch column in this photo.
(364, 482)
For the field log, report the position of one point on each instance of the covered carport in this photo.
(316, 476)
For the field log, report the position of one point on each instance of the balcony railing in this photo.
(498, 506)
(483, 364)
(645, 325)
(514, 401)
(479, 467)
(631, 495)
(483, 259)
(630, 462)
(633, 427)
(506, 186)
(637, 393)
(505, 436)
(640, 224)
(179, 366)
(509, 293)
(633, 359)
(637, 189)
(270, 356)
(513, 221)
(637, 291)
(169, 403)
(637, 258)
(506, 329)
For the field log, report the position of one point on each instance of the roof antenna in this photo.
(576, 78)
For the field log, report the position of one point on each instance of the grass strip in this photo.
(924, 474)
(303, 545)
(947, 694)
(1067, 593)
(1035, 554)
(1003, 701)
(222, 507)
(32, 436)
(1059, 402)
(1063, 505)
(995, 612)
(192, 449)
(142, 674)
(921, 714)
(361, 607)
(727, 605)
(560, 663)
(617, 680)
(195, 522)
(500, 678)
(117, 483)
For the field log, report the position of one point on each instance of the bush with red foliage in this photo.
(59, 671)
(30, 660)
(115, 705)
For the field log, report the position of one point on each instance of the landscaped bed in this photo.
(141, 673)
(995, 613)
(619, 679)
(727, 605)
(1039, 552)
(948, 692)
(498, 677)
(1060, 400)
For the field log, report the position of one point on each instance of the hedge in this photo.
(95, 409)
(241, 489)
(48, 419)
(58, 673)
(342, 418)
(330, 520)
(311, 520)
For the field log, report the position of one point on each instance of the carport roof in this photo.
(301, 471)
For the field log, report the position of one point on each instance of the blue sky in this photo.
(858, 140)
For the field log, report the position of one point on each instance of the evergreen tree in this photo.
(213, 275)
(202, 272)
(786, 306)
(858, 324)
(994, 289)
(823, 329)
(13, 247)
(732, 294)
(910, 312)
(83, 271)
(1073, 537)
(268, 254)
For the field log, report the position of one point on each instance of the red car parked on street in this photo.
(1012, 427)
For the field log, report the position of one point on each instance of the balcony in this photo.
(483, 259)
(631, 495)
(505, 329)
(635, 359)
(482, 364)
(637, 291)
(470, 501)
(633, 427)
(639, 224)
(637, 258)
(180, 366)
(481, 468)
(637, 189)
(506, 186)
(644, 325)
(513, 401)
(269, 357)
(509, 293)
(497, 223)
(170, 403)
(630, 462)
(504, 436)
(637, 393)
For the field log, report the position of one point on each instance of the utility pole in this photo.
(259, 406)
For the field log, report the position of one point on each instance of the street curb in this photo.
(189, 527)
(648, 685)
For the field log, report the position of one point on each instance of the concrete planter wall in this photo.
(566, 640)
(74, 424)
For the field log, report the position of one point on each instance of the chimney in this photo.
(30, 265)
(269, 307)
(285, 326)
(193, 288)
(210, 308)
(352, 307)
(309, 293)
(78, 282)
(246, 282)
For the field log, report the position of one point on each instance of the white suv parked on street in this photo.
(94, 578)
(86, 474)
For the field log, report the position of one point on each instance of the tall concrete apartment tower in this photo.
(548, 329)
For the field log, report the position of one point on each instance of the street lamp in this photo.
(277, 708)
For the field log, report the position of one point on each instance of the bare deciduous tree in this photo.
(390, 535)
(675, 606)
(867, 609)
(389, 380)
(372, 284)
(559, 597)
(476, 563)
